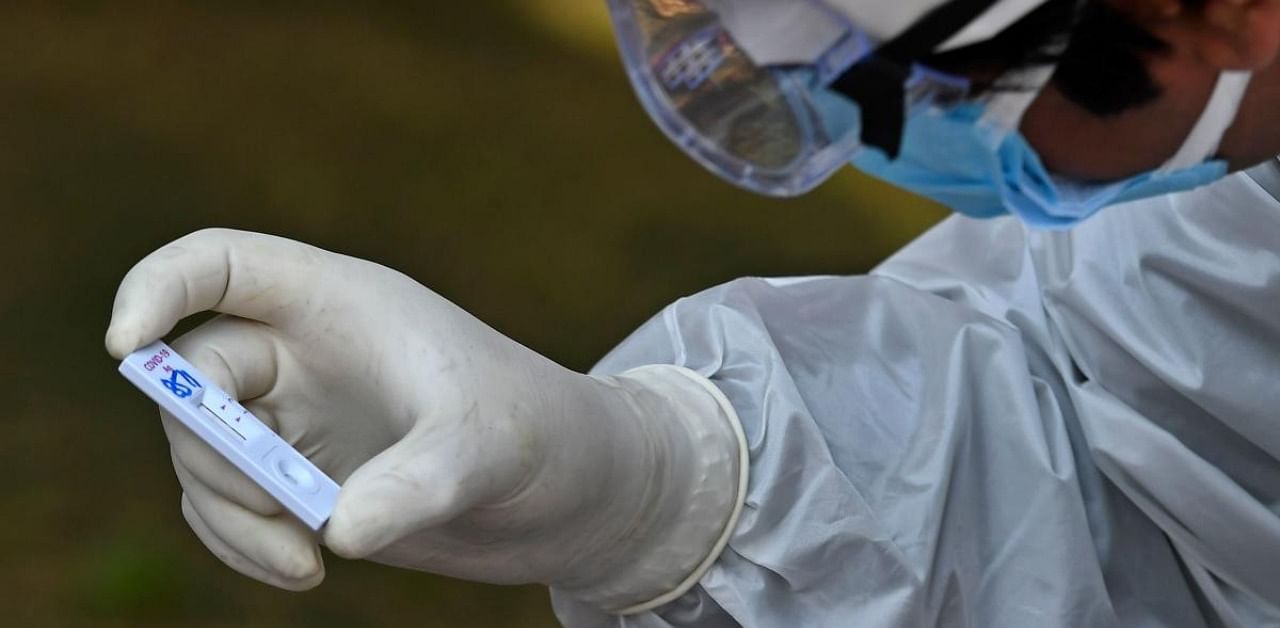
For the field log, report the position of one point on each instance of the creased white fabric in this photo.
(1003, 429)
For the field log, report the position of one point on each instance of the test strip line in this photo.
(219, 420)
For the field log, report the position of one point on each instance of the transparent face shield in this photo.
(773, 129)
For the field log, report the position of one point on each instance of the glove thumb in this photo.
(404, 489)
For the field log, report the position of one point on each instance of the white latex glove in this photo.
(459, 451)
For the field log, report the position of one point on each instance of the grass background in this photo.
(493, 150)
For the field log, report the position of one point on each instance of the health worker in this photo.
(987, 107)
(1002, 426)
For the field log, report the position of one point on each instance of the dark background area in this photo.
(492, 150)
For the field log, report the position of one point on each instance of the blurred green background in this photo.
(493, 150)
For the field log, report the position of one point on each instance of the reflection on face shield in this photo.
(762, 127)
(721, 93)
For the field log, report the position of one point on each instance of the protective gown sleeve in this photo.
(906, 468)
(1000, 429)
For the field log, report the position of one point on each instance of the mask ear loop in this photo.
(1202, 142)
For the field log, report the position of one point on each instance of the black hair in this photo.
(1104, 68)
(1101, 55)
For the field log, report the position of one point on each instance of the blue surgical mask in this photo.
(972, 159)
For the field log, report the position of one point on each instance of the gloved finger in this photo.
(217, 475)
(249, 275)
(241, 356)
(280, 545)
(237, 561)
(238, 356)
(405, 488)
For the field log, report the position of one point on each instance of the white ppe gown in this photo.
(1000, 428)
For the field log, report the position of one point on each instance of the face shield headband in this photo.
(779, 115)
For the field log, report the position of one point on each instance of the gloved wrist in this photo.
(683, 464)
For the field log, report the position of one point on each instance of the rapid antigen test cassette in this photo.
(233, 431)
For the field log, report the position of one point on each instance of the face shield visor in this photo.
(761, 115)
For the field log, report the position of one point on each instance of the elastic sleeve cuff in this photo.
(701, 426)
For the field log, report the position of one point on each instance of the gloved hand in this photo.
(459, 451)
